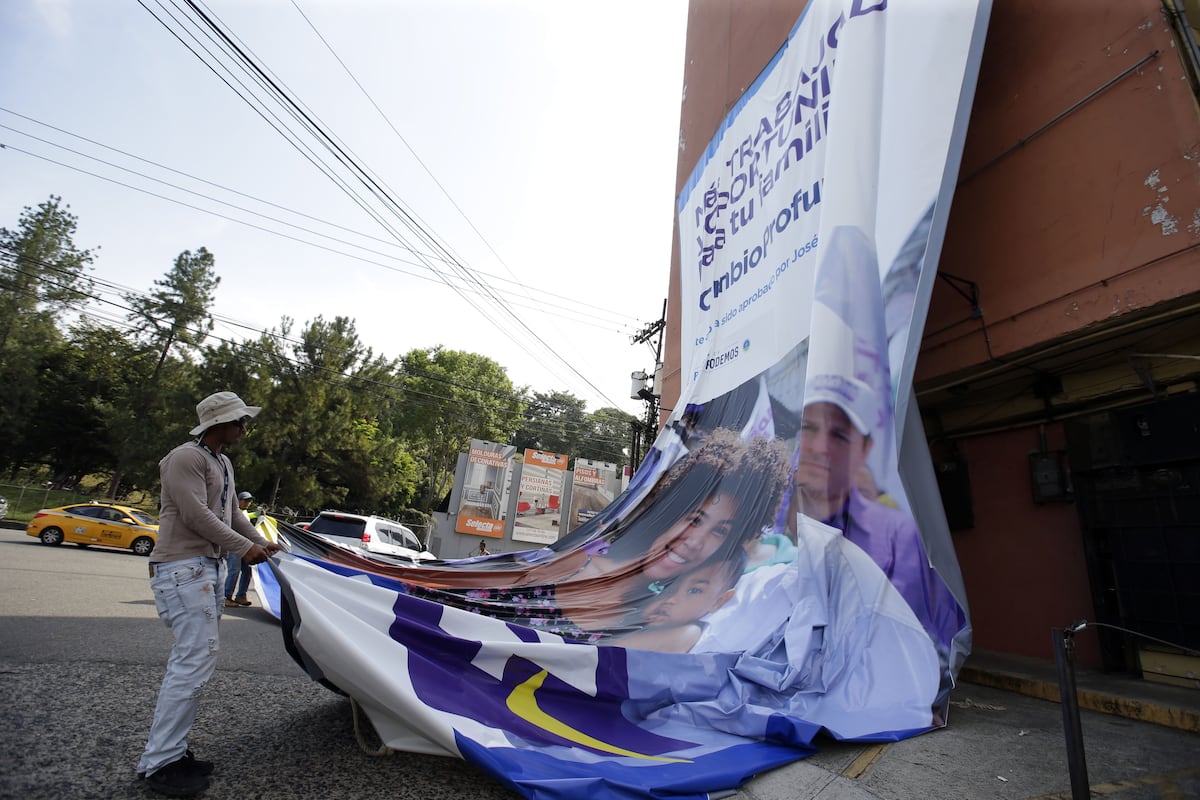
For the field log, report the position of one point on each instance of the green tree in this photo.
(173, 316)
(41, 270)
(42, 274)
(147, 424)
(326, 437)
(286, 438)
(177, 310)
(609, 436)
(378, 473)
(451, 397)
(556, 422)
(84, 382)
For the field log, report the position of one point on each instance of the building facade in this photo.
(1057, 378)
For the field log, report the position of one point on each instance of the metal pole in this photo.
(1064, 662)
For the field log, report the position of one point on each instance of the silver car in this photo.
(3, 508)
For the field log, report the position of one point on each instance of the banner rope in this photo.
(382, 750)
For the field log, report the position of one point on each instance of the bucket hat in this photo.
(219, 408)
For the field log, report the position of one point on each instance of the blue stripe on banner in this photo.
(266, 586)
(881, 736)
(524, 634)
(526, 700)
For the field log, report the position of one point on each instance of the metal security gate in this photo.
(1136, 475)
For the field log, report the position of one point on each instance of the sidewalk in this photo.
(1119, 694)
(1005, 741)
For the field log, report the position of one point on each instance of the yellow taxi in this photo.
(103, 524)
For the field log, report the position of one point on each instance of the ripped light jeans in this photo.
(188, 599)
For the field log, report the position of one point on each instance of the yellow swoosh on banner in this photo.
(523, 703)
(268, 528)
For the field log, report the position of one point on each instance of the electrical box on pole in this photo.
(645, 433)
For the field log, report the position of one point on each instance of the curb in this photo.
(1159, 713)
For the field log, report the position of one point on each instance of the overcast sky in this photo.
(535, 140)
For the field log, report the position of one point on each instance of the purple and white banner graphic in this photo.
(764, 577)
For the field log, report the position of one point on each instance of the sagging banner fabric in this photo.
(762, 579)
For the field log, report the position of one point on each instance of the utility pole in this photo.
(645, 431)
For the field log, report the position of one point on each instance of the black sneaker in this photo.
(178, 779)
(203, 767)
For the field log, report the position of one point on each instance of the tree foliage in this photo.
(555, 422)
(610, 436)
(176, 311)
(342, 426)
(84, 386)
(42, 276)
(41, 270)
(450, 398)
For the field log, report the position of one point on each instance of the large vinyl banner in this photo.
(762, 579)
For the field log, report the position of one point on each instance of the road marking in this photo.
(865, 760)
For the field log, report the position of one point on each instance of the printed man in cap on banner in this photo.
(835, 441)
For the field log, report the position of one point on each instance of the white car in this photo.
(3, 508)
(373, 534)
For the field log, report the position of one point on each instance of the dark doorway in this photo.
(1136, 475)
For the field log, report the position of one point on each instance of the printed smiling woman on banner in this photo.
(708, 505)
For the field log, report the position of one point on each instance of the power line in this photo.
(365, 177)
(280, 128)
(576, 316)
(404, 141)
(178, 172)
(248, 89)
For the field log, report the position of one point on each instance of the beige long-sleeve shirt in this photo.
(199, 514)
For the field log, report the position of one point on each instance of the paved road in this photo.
(82, 653)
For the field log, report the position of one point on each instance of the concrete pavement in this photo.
(1005, 740)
